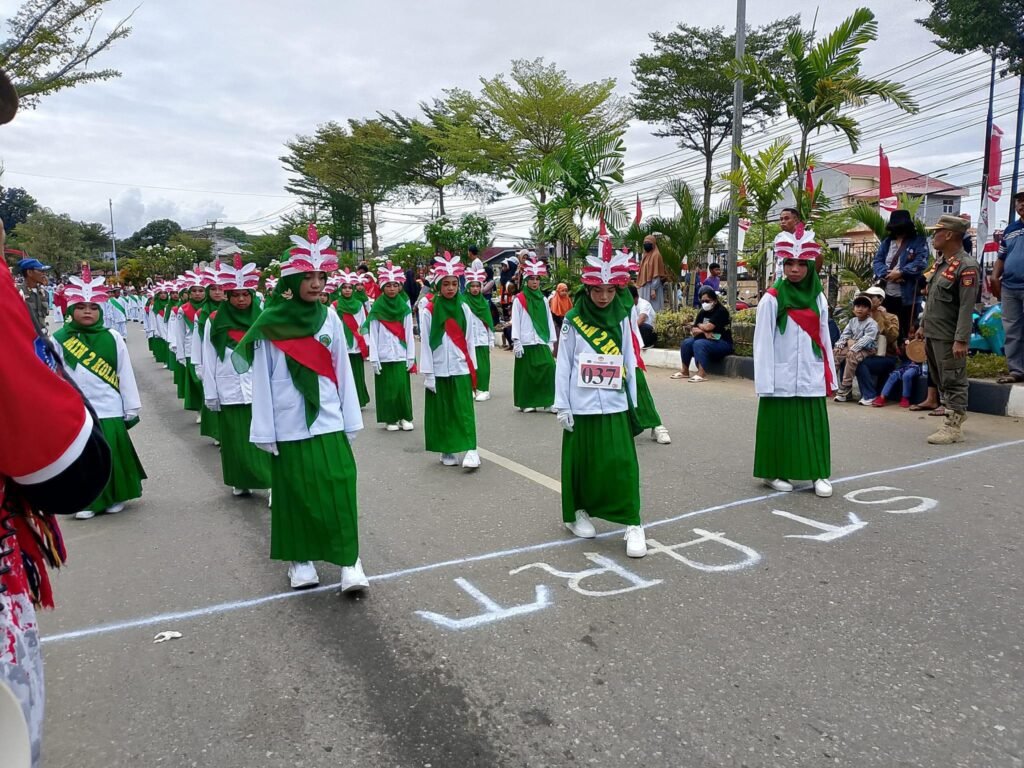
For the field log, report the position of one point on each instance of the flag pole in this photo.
(737, 144)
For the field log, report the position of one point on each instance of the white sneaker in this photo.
(352, 578)
(822, 488)
(270, 499)
(392, 427)
(864, 401)
(199, 419)
(241, 492)
(779, 485)
(113, 509)
(405, 425)
(582, 527)
(529, 410)
(216, 443)
(482, 397)
(471, 460)
(85, 514)
(449, 459)
(660, 435)
(636, 542)
(303, 575)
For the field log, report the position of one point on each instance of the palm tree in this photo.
(824, 80)
(688, 235)
(869, 215)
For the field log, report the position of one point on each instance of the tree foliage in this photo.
(53, 42)
(684, 85)
(15, 206)
(54, 239)
(156, 232)
(447, 234)
(993, 26)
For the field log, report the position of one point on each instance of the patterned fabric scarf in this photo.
(95, 336)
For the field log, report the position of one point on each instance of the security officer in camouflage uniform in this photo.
(946, 325)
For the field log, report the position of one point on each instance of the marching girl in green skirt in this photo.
(179, 297)
(448, 364)
(794, 372)
(188, 338)
(97, 360)
(213, 299)
(352, 311)
(594, 395)
(391, 350)
(646, 410)
(229, 393)
(481, 331)
(161, 316)
(305, 412)
(533, 339)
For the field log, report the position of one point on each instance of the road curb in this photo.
(984, 396)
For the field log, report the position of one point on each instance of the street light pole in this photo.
(737, 143)
(113, 242)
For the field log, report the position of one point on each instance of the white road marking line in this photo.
(519, 469)
(212, 610)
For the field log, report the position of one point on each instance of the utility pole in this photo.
(1016, 153)
(983, 222)
(737, 143)
(113, 242)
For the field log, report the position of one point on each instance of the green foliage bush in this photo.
(673, 327)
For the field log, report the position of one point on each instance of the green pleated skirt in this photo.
(180, 378)
(533, 380)
(646, 410)
(209, 423)
(600, 471)
(126, 472)
(392, 391)
(483, 369)
(359, 375)
(193, 388)
(449, 419)
(159, 349)
(314, 513)
(793, 441)
(242, 463)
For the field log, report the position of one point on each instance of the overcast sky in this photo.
(211, 89)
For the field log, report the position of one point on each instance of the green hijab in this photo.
(286, 316)
(537, 308)
(95, 336)
(608, 319)
(228, 318)
(481, 307)
(802, 295)
(389, 309)
(207, 308)
(445, 309)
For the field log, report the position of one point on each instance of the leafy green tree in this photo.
(52, 44)
(818, 82)
(200, 246)
(52, 238)
(235, 234)
(156, 232)
(446, 234)
(685, 87)
(341, 214)
(410, 255)
(95, 238)
(15, 206)
(993, 26)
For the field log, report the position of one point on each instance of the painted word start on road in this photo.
(731, 556)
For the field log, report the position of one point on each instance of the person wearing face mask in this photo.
(947, 322)
(710, 337)
(899, 262)
(305, 413)
(653, 278)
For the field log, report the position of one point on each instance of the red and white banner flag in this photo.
(639, 211)
(994, 187)
(886, 199)
(741, 234)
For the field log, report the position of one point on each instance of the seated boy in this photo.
(858, 340)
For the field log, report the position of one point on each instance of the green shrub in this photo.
(673, 327)
(745, 316)
(986, 366)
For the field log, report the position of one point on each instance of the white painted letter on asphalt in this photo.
(831, 532)
(751, 556)
(605, 565)
(924, 503)
(494, 611)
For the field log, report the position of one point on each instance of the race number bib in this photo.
(600, 372)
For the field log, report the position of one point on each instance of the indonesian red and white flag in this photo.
(886, 199)
(639, 211)
(995, 159)
(741, 234)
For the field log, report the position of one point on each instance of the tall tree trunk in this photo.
(440, 201)
(541, 245)
(709, 156)
(374, 242)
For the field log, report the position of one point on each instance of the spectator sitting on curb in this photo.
(710, 337)
(858, 340)
(875, 368)
(905, 375)
(645, 318)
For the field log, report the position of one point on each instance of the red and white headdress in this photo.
(474, 275)
(797, 245)
(348, 277)
(238, 277)
(270, 283)
(212, 273)
(446, 266)
(390, 273)
(312, 255)
(85, 289)
(194, 277)
(535, 268)
(610, 267)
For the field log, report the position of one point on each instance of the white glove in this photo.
(517, 347)
(376, 367)
(430, 382)
(213, 405)
(268, 447)
(565, 419)
(129, 415)
(352, 435)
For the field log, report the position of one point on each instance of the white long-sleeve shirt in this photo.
(585, 401)
(385, 346)
(221, 382)
(360, 316)
(447, 359)
(478, 333)
(278, 408)
(160, 329)
(784, 363)
(109, 403)
(186, 337)
(522, 325)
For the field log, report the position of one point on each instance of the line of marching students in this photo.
(281, 387)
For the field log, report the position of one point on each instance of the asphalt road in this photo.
(490, 637)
